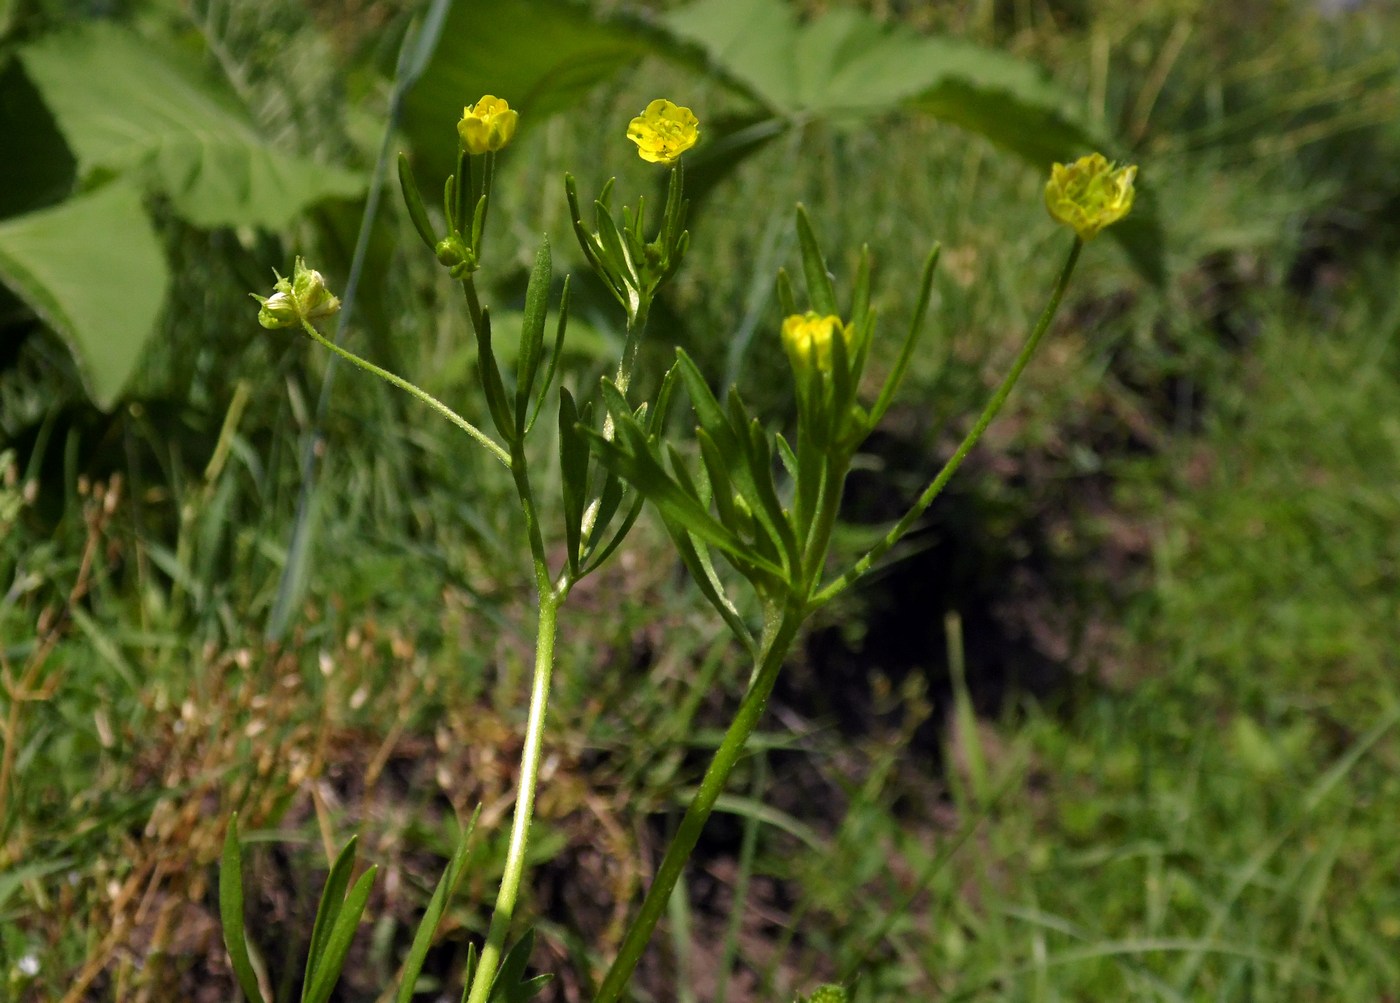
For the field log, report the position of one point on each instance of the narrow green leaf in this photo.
(722, 488)
(761, 466)
(449, 204)
(327, 914)
(413, 201)
(597, 556)
(491, 384)
(609, 498)
(673, 219)
(911, 340)
(707, 409)
(573, 468)
(860, 296)
(532, 336)
(843, 383)
(646, 474)
(437, 906)
(231, 913)
(506, 986)
(786, 300)
(93, 270)
(337, 944)
(554, 356)
(786, 455)
(614, 253)
(696, 558)
(820, 289)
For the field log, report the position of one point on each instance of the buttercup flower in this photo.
(807, 338)
(1090, 194)
(663, 132)
(487, 125)
(302, 297)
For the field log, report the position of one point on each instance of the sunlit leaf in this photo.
(124, 105)
(93, 271)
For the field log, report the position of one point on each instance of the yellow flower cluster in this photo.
(487, 126)
(664, 131)
(1090, 194)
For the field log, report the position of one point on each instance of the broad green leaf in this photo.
(45, 172)
(124, 105)
(92, 269)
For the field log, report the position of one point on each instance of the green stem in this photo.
(493, 447)
(492, 950)
(989, 412)
(777, 641)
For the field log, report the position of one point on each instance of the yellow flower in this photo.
(1090, 194)
(663, 132)
(807, 338)
(303, 297)
(487, 125)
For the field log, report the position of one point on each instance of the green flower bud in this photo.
(1090, 194)
(303, 297)
(827, 994)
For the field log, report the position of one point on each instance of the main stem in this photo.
(494, 947)
(775, 647)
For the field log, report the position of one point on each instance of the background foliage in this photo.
(1150, 752)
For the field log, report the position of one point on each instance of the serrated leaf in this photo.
(102, 295)
(125, 106)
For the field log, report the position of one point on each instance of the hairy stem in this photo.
(492, 447)
(494, 947)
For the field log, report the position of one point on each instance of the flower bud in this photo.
(487, 125)
(303, 297)
(663, 132)
(310, 292)
(1090, 194)
(807, 338)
